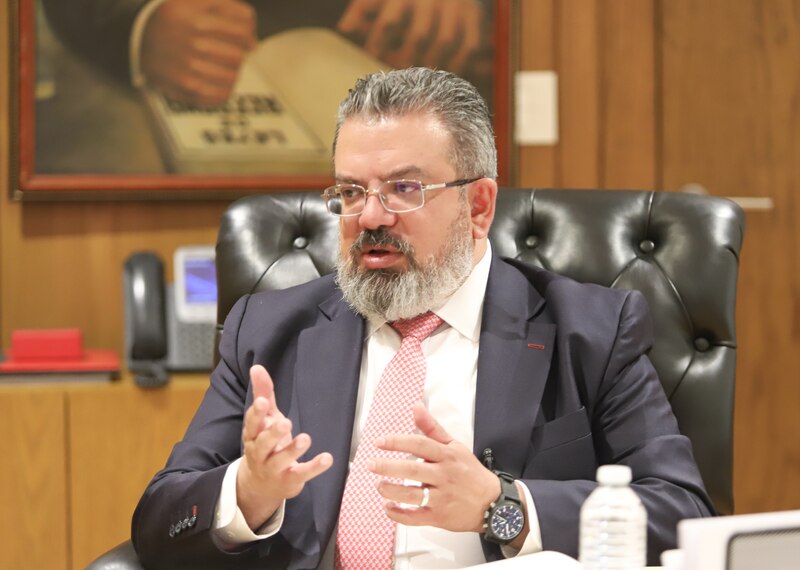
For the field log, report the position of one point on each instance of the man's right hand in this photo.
(434, 33)
(192, 49)
(269, 472)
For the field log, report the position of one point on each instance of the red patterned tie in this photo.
(366, 535)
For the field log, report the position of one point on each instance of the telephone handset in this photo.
(145, 319)
(169, 327)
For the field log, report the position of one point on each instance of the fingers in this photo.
(262, 486)
(433, 446)
(255, 419)
(310, 469)
(414, 445)
(470, 41)
(267, 433)
(274, 438)
(290, 471)
(411, 505)
(387, 27)
(263, 406)
(418, 35)
(428, 425)
(192, 49)
(195, 93)
(233, 10)
(206, 73)
(271, 471)
(445, 33)
(458, 491)
(403, 469)
(447, 36)
(273, 461)
(406, 496)
(261, 382)
(357, 16)
(410, 516)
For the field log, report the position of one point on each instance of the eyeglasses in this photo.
(396, 196)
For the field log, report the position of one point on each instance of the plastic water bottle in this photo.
(613, 523)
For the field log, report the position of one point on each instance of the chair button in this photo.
(171, 531)
(531, 242)
(647, 246)
(192, 521)
(702, 344)
(300, 242)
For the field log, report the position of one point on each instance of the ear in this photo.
(482, 198)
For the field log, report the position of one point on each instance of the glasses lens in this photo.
(401, 195)
(345, 200)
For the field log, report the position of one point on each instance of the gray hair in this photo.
(454, 101)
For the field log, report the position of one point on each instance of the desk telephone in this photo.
(169, 327)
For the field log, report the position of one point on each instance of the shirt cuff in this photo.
(230, 529)
(135, 44)
(533, 542)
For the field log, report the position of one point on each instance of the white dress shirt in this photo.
(451, 354)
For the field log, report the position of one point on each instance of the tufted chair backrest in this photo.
(681, 251)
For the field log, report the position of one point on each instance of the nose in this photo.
(375, 215)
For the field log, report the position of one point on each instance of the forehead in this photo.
(386, 147)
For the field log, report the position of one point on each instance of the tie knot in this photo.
(420, 327)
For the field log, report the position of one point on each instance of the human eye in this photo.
(406, 187)
(350, 193)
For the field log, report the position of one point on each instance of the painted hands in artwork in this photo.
(446, 34)
(192, 50)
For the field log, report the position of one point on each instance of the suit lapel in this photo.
(513, 365)
(326, 388)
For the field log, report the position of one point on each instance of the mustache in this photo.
(380, 238)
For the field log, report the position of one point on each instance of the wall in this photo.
(653, 94)
(730, 120)
(664, 93)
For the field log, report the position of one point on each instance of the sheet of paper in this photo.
(547, 560)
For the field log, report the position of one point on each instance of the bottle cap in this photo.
(614, 475)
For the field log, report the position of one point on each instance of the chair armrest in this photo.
(121, 557)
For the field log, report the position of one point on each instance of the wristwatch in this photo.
(505, 517)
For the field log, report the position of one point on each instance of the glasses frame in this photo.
(328, 194)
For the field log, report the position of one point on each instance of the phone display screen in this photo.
(195, 290)
(200, 280)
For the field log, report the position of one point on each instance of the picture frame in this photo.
(79, 132)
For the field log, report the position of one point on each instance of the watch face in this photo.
(507, 521)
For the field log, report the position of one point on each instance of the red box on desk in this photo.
(55, 350)
(43, 345)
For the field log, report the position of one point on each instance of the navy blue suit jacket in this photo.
(564, 385)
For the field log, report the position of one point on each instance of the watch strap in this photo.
(508, 488)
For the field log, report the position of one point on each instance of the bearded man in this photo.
(430, 406)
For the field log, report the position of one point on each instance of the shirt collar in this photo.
(464, 308)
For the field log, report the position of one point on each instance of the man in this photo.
(518, 371)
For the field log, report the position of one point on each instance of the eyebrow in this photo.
(399, 173)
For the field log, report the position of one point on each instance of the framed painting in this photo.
(118, 99)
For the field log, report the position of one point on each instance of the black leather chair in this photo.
(680, 250)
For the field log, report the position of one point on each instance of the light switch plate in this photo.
(536, 108)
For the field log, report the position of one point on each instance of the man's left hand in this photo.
(460, 488)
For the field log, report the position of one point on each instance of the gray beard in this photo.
(391, 295)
